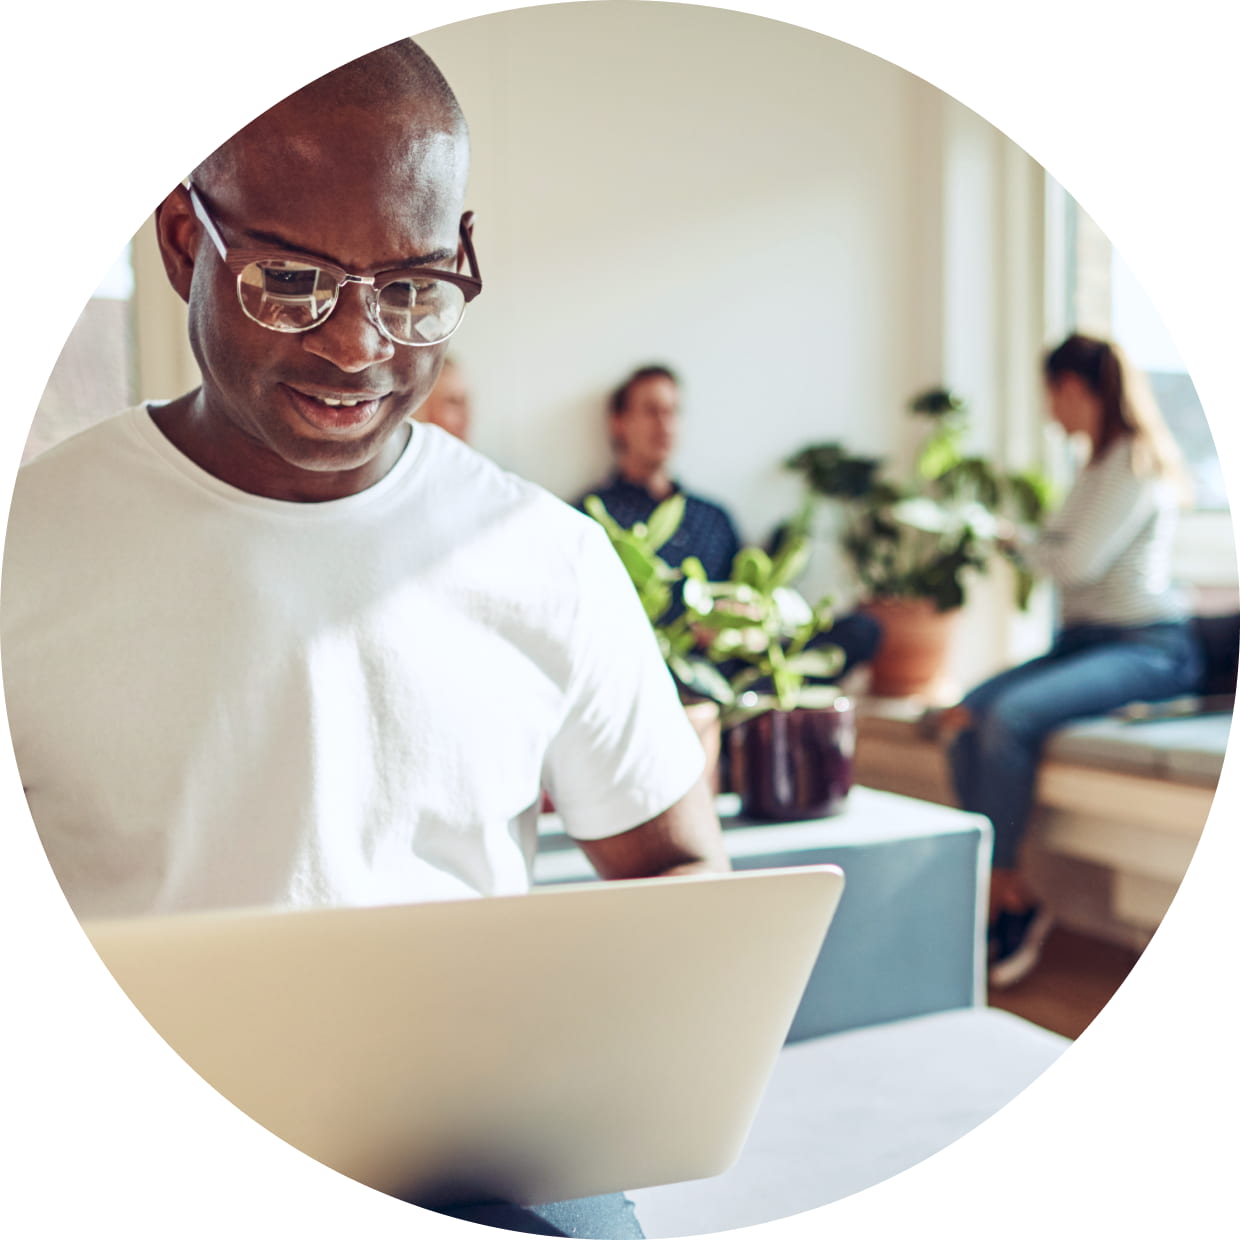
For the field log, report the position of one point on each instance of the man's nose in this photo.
(350, 338)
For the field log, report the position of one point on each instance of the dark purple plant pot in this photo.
(795, 764)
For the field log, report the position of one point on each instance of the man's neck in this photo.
(657, 483)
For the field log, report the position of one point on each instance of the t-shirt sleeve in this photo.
(625, 750)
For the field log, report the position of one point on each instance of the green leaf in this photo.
(940, 453)
(825, 662)
(598, 510)
(700, 677)
(665, 520)
(728, 643)
(1031, 495)
(656, 598)
(938, 402)
(752, 567)
(639, 564)
(790, 563)
(786, 685)
(720, 618)
(832, 471)
(677, 641)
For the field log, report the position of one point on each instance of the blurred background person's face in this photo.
(448, 403)
(644, 431)
(1074, 406)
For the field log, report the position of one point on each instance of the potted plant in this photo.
(790, 740)
(741, 652)
(913, 542)
(702, 687)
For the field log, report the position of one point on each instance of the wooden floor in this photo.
(1071, 985)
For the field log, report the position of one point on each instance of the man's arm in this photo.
(684, 839)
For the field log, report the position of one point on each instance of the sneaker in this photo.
(1015, 943)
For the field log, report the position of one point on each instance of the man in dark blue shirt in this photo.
(643, 415)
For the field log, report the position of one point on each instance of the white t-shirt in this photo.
(219, 699)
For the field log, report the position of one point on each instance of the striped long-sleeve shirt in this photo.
(1109, 547)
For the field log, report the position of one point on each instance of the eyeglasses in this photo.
(290, 292)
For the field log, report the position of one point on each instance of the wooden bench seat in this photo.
(1121, 805)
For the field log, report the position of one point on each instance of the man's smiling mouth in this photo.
(335, 411)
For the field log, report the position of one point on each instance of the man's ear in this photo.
(179, 233)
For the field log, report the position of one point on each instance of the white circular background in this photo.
(104, 1131)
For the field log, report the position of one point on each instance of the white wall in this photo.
(727, 194)
(808, 234)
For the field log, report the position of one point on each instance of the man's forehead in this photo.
(349, 154)
(362, 147)
(656, 387)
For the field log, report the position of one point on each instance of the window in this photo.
(1104, 297)
(1137, 326)
(1101, 295)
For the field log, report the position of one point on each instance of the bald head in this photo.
(395, 96)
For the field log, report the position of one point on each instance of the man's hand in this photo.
(685, 839)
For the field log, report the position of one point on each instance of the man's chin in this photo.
(374, 445)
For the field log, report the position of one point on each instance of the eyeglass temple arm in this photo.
(205, 220)
(467, 221)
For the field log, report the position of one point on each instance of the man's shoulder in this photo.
(85, 444)
(76, 466)
(487, 493)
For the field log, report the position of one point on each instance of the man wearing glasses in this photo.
(271, 643)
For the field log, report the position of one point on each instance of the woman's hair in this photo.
(1129, 410)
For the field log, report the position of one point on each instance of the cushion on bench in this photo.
(847, 1111)
(1188, 749)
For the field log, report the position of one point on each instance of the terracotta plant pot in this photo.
(913, 650)
(794, 764)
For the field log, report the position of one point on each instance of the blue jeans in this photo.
(1090, 670)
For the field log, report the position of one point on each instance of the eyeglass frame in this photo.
(238, 260)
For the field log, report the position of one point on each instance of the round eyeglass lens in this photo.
(421, 311)
(286, 296)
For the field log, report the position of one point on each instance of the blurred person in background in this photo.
(1124, 633)
(448, 404)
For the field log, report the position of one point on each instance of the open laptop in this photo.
(576, 1040)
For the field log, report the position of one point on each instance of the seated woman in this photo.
(1124, 633)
